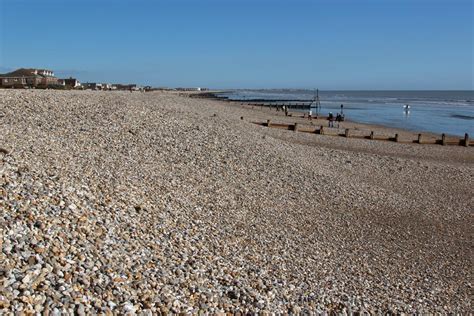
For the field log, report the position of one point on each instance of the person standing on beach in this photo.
(331, 119)
(338, 119)
(342, 109)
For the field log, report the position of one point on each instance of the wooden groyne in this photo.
(348, 133)
(207, 95)
(276, 104)
(279, 104)
(270, 103)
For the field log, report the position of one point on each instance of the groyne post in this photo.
(295, 127)
(321, 130)
(346, 132)
(396, 138)
(372, 135)
(466, 139)
(419, 139)
(443, 139)
(268, 123)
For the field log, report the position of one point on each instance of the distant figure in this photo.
(286, 110)
(331, 119)
(342, 109)
(338, 119)
(406, 107)
(310, 114)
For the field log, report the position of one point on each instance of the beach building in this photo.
(28, 77)
(92, 86)
(72, 83)
(97, 86)
(190, 89)
(119, 86)
(12, 82)
(106, 86)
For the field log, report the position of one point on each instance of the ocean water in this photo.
(450, 112)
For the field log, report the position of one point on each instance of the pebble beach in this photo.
(158, 203)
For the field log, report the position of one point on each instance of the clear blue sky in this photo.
(329, 44)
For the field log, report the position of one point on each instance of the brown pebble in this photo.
(32, 260)
(40, 249)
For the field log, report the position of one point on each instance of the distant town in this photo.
(32, 78)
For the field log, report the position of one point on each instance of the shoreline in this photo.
(302, 107)
(431, 152)
(384, 130)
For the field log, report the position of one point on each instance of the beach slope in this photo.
(121, 202)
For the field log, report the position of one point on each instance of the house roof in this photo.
(23, 72)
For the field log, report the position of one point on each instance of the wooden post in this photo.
(419, 139)
(466, 139)
(396, 138)
(346, 133)
(372, 135)
(268, 123)
(295, 128)
(443, 139)
(321, 130)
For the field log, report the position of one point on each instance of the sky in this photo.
(325, 44)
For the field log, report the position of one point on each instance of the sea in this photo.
(450, 112)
